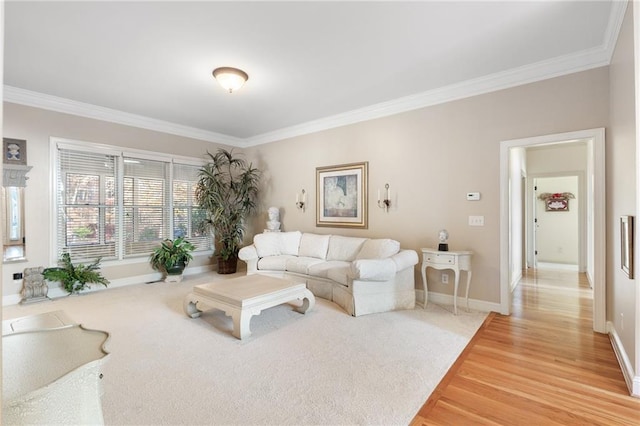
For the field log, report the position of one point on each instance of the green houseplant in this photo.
(75, 278)
(227, 189)
(172, 256)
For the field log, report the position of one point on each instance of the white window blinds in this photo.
(189, 220)
(87, 217)
(146, 204)
(115, 205)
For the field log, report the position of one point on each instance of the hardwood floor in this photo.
(542, 365)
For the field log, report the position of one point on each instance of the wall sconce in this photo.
(386, 202)
(301, 200)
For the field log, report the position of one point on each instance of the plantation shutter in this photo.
(146, 195)
(86, 203)
(189, 220)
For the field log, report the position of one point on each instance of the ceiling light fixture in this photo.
(231, 79)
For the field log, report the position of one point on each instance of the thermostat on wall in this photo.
(473, 196)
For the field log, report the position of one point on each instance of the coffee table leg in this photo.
(308, 301)
(189, 306)
(241, 321)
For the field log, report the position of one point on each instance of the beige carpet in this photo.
(322, 368)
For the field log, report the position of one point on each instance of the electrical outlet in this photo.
(445, 278)
(621, 322)
(17, 276)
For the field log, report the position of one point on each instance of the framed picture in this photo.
(15, 151)
(626, 245)
(341, 193)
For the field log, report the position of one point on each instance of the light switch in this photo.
(473, 196)
(476, 220)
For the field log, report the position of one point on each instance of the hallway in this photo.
(541, 365)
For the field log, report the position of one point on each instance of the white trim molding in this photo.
(67, 106)
(630, 377)
(447, 299)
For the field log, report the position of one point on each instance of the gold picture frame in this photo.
(626, 245)
(341, 193)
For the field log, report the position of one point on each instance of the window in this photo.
(189, 220)
(118, 205)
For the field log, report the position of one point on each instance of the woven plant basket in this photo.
(228, 266)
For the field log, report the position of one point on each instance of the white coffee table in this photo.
(243, 297)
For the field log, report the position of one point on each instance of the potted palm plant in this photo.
(227, 189)
(75, 278)
(171, 257)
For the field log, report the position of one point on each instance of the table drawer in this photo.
(444, 259)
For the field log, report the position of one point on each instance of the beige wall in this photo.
(621, 188)
(431, 158)
(37, 126)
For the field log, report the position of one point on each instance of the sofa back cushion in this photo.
(378, 249)
(277, 243)
(290, 242)
(314, 245)
(344, 248)
(267, 244)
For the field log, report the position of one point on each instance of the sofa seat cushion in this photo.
(314, 245)
(339, 275)
(274, 263)
(321, 270)
(301, 264)
(378, 249)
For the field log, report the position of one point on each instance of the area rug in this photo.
(321, 368)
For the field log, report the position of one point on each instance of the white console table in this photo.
(454, 260)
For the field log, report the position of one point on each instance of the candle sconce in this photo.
(385, 203)
(301, 200)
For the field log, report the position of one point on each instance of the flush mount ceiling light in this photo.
(231, 79)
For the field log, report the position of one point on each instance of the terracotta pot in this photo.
(228, 266)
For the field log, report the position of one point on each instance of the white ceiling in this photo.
(311, 65)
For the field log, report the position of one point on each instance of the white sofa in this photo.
(362, 275)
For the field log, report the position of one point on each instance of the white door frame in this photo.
(596, 260)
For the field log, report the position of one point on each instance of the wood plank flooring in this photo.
(542, 365)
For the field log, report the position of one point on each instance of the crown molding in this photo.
(68, 106)
(618, 9)
(555, 67)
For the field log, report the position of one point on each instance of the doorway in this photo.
(557, 223)
(594, 202)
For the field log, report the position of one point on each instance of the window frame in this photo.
(57, 144)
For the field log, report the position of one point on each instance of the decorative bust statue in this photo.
(273, 224)
(443, 236)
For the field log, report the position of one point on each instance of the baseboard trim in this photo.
(56, 292)
(447, 299)
(633, 381)
(558, 266)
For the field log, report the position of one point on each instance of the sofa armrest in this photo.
(405, 259)
(373, 269)
(248, 253)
